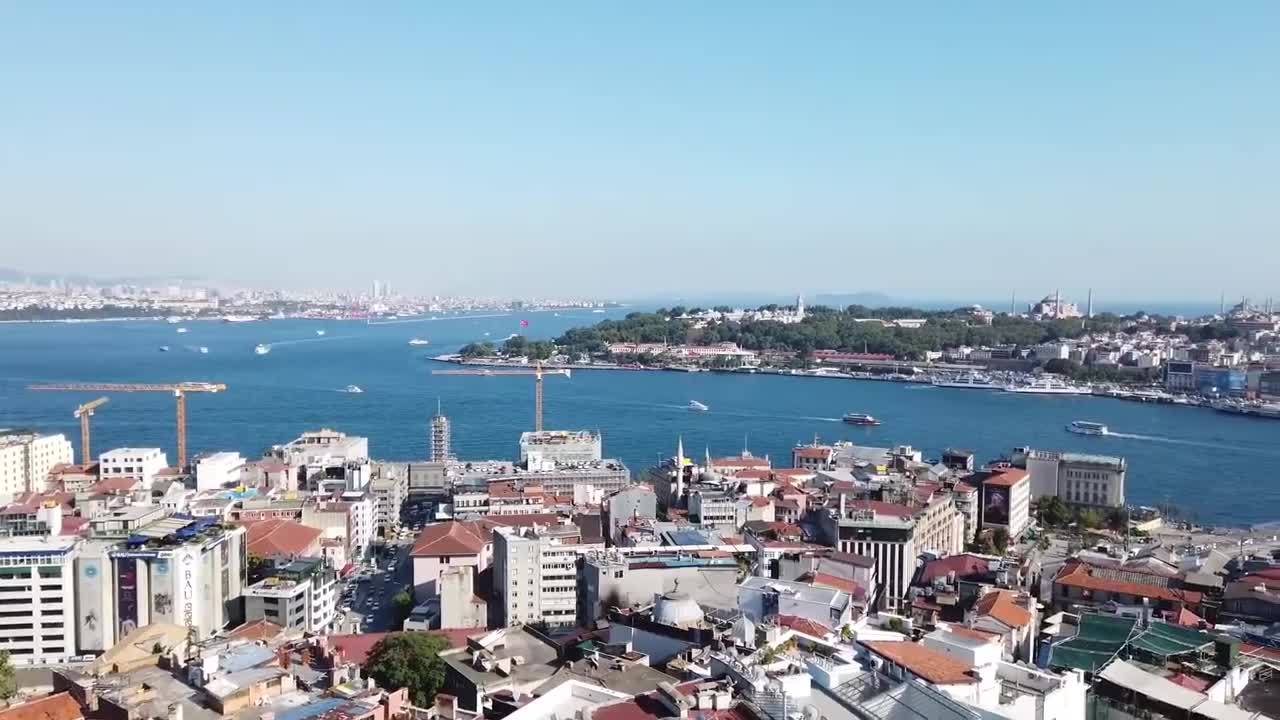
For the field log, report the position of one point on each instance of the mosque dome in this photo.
(677, 609)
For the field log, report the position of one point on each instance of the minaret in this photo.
(677, 487)
(1222, 304)
(1057, 304)
(799, 307)
(1013, 303)
(1089, 311)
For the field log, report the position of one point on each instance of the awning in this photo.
(346, 569)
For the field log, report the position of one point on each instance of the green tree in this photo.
(1052, 512)
(1000, 540)
(1044, 542)
(409, 660)
(1091, 519)
(8, 682)
(401, 606)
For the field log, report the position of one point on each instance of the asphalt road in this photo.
(370, 600)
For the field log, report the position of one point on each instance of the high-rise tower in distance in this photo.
(440, 450)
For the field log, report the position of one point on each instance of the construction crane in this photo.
(538, 371)
(84, 412)
(179, 391)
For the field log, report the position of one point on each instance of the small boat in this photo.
(181, 330)
(173, 319)
(1083, 427)
(598, 312)
(164, 348)
(262, 349)
(696, 406)
(203, 350)
(238, 318)
(859, 419)
(417, 342)
(354, 389)
(320, 332)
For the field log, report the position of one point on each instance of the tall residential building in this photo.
(36, 591)
(535, 574)
(880, 530)
(27, 457)
(301, 595)
(440, 438)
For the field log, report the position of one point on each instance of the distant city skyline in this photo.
(706, 150)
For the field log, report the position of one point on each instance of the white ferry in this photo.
(354, 389)
(1047, 386)
(418, 342)
(1084, 427)
(182, 330)
(696, 406)
(262, 349)
(968, 382)
(239, 318)
(320, 333)
(202, 350)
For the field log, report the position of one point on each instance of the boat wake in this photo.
(282, 343)
(1191, 443)
(437, 319)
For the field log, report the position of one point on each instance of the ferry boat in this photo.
(418, 342)
(239, 318)
(181, 330)
(354, 389)
(1084, 427)
(164, 348)
(203, 350)
(696, 406)
(1046, 386)
(859, 419)
(262, 349)
(968, 382)
(320, 333)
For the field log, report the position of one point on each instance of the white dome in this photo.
(677, 609)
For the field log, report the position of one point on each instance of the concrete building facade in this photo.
(140, 463)
(611, 579)
(535, 575)
(37, 599)
(26, 459)
(300, 595)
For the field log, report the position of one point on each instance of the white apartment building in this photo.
(141, 463)
(351, 517)
(535, 576)
(216, 471)
(299, 596)
(37, 609)
(26, 459)
(389, 494)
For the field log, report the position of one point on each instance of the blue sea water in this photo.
(1222, 468)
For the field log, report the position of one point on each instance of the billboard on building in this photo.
(127, 594)
(162, 590)
(1220, 380)
(995, 505)
(188, 587)
(89, 606)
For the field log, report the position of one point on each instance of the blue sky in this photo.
(639, 149)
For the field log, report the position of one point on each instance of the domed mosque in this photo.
(677, 609)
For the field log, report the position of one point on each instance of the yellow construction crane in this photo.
(179, 391)
(83, 413)
(537, 371)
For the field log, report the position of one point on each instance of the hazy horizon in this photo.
(663, 150)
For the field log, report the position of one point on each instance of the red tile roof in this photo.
(648, 707)
(999, 604)
(759, 501)
(278, 536)
(932, 665)
(793, 472)
(741, 462)
(60, 706)
(813, 452)
(1079, 574)
(754, 474)
(113, 486)
(1185, 617)
(803, 625)
(964, 487)
(833, 581)
(255, 630)
(1007, 477)
(450, 538)
(355, 648)
(973, 633)
(963, 565)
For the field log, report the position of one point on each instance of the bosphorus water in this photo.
(1225, 469)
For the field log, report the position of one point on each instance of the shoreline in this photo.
(1108, 394)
